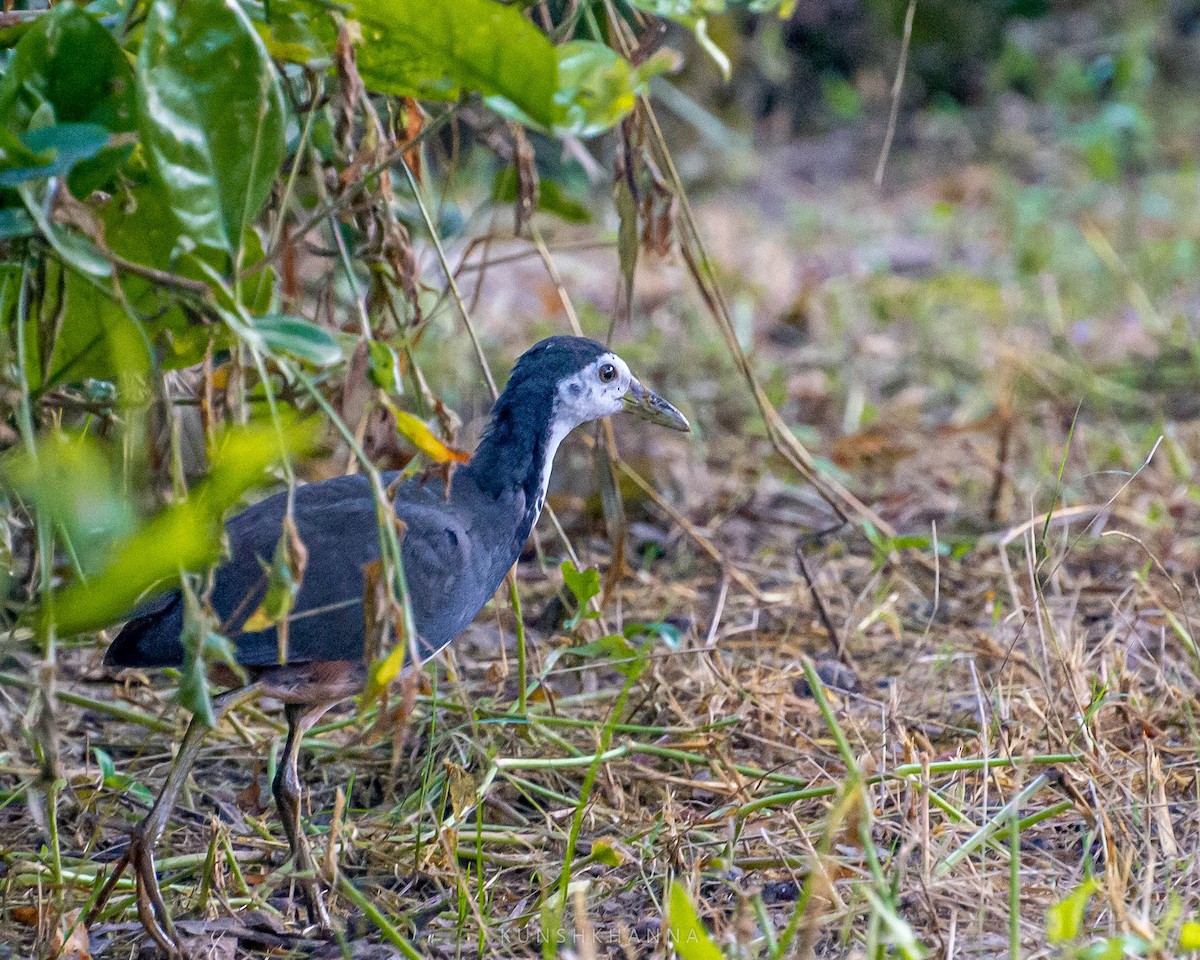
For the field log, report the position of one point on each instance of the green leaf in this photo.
(685, 929)
(108, 769)
(98, 337)
(211, 116)
(68, 60)
(287, 30)
(74, 249)
(1064, 920)
(70, 481)
(1115, 948)
(185, 536)
(56, 149)
(604, 852)
(385, 367)
(551, 197)
(597, 87)
(119, 781)
(16, 223)
(616, 652)
(489, 48)
(468, 45)
(299, 338)
(583, 584)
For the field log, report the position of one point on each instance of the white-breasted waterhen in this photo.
(460, 542)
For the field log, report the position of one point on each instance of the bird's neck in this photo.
(516, 454)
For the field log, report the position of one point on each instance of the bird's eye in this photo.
(608, 373)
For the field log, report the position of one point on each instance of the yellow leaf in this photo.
(1189, 936)
(605, 851)
(421, 437)
(258, 620)
(384, 672)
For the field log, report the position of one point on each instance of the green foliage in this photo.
(686, 930)
(1064, 920)
(584, 585)
(121, 782)
(475, 45)
(211, 116)
(597, 87)
(150, 167)
(296, 337)
(68, 60)
(615, 650)
(1065, 929)
(70, 481)
(552, 198)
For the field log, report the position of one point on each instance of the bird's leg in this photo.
(152, 910)
(300, 718)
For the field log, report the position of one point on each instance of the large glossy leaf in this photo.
(211, 116)
(186, 536)
(67, 59)
(409, 48)
(436, 51)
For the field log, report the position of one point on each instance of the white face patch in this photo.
(592, 393)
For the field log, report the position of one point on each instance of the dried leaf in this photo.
(396, 250)
(627, 234)
(464, 791)
(69, 941)
(527, 180)
(414, 123)
(26, 916)
(350, 86)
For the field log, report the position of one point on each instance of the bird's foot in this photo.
(152, 909)
(313, 892)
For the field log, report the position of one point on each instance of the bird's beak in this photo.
(650, 406)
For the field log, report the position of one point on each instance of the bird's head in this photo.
(583, 381)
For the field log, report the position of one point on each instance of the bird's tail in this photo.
(152, 638)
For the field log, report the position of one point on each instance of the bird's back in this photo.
(455, 550)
